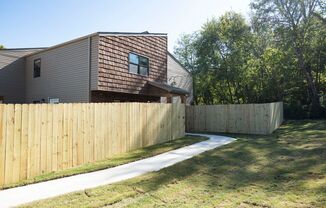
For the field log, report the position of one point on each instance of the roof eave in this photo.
(64, 43)
(176, 60)
(100, 34)
(169, 88)
(21, 49)
(131, 34)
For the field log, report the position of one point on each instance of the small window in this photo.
(133, 68)
(143, 70)
(54, 100)
(138, 64)
(37, 68)
(133, 58)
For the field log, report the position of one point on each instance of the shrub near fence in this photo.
(41, 138)
(235, 118)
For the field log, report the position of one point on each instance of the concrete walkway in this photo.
(25, 194)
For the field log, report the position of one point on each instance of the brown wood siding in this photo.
(114, 67)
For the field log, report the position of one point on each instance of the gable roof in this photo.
(178, 62)
(7, 56)
(146, 33)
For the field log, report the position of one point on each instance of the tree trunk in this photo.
(230, 91)
(194, 89)
(311, 84)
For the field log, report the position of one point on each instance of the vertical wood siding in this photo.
(12, 71)
(40, 138)
(178, 76)
(94, 62)
(64, 74)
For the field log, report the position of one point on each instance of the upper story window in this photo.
(138, 64)
(37, 68)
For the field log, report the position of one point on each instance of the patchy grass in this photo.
(285, 169)
(114, 161)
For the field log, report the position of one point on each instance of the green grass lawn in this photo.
(114, 161)
(285, 169)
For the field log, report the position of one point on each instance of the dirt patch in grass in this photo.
(277, 170)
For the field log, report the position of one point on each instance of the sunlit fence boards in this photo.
(41, 138)
(237, 118)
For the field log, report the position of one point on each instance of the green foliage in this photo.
(297, 25)
(186, 50)
(222, 54)
(280, 55)
(2, 47)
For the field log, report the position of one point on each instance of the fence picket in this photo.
(24, 143)
(41, 138)
(10, 116)
(17, 142)
(236, 118)
(2, 144)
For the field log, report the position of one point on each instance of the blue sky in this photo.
(37, 23)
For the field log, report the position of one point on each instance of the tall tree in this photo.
(234, 62)
(185, 50)
(217, 56)
(1, 46)
(293, 20)
(222, 52)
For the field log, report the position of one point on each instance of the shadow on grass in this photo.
(285, 169)
(290, 160)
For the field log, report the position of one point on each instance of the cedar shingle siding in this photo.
(114, 73)
(93, 68)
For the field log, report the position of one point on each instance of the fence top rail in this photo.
(124, 103)
(236, 104)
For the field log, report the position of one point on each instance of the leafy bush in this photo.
(299, 111)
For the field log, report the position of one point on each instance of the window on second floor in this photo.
(37, 68)
(138, 64)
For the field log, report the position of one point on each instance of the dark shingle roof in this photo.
(169, 88)
(132, 33)
(7, 56)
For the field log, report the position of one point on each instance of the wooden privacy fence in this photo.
(41, 138)
(237, 118)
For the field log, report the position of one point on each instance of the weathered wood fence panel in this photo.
(40, 138)
(237, 118)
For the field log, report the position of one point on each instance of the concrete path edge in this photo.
(38, 191)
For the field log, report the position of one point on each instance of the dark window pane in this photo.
(37, 68)
(143, 70)
(133, 58)
(143, 61)
(138, 64)
(133, 68)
